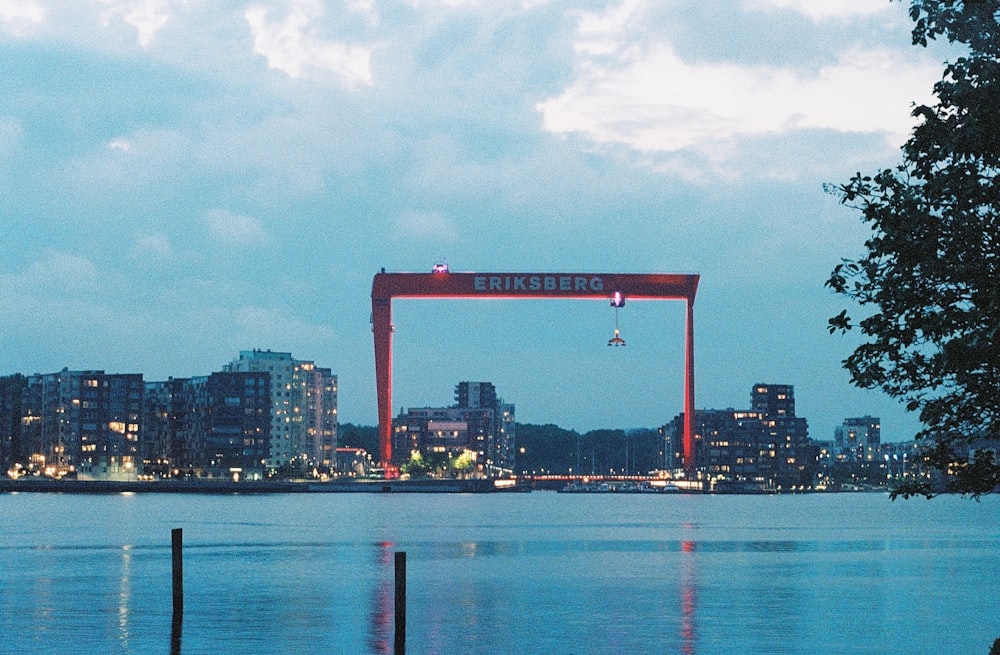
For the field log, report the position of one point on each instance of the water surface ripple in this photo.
(519, 573)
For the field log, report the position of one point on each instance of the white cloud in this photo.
(60, 273)
(147, 17)
(820, 10)
(294, 48)
(234, 229)
(421, 4)
(365, 8)
(651, 100)
(430, 225)
(151, 250)
(867, 91)
(19, 16)
(121, 145)
(501, 4)
(599, 34)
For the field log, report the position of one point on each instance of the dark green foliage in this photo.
(931, 275)
(429, 464)
(547, 448)
(359, 436)
(553, 449)
(544, 448)
(995, 650)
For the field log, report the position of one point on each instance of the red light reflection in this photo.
(380, 633)
(688, 600)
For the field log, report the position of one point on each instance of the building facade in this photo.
(857, 439)
(765, 447)
(117, 426)
(497, 449)
(86, 423)
(449, 431)
(233, 418)
(480, 424)
(216, 426)
(168, 441)
(303, 409)
(774, 400)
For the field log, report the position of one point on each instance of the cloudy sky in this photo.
(181, 180)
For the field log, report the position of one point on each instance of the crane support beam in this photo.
(442, 284)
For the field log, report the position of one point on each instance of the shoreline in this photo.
(255, 487)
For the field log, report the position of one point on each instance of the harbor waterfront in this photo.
(217, 486)
(501, 573)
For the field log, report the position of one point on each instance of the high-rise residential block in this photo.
(764, 447)
(86, 422)
(216, 426)
(303, 409)
(773, 400)
(857, 439)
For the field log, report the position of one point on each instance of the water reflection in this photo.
(688, 600)
(380, 632)
(538, 572)
(125, 597)
(475, 610)
(175, 633)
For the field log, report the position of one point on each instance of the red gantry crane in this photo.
(441, 283)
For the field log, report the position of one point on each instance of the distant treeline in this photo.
(358, 436)
(552, 449)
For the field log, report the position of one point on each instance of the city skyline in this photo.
(269, 356)
(268, 415)
(182, 182)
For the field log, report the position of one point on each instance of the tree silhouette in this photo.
(931, 275)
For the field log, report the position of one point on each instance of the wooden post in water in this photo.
(400, 604)
(177, 559)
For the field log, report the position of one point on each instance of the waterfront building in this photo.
(774, 400)
(318, 391)
(765, 447)
(303, 409)
(232, 415)
(902, 460)
(857, 439)
(167, 439)
(354, 462)
(475, 394)
(217, 425)
(116, 426)
(83, 422)
(442, 430)
(504, 451)
(498, 445)
(480, 424)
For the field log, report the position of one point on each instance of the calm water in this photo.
(519, 573)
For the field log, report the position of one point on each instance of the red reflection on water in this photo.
(688, 605)
(380, 632)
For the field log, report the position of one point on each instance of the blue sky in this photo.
(182, 180)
